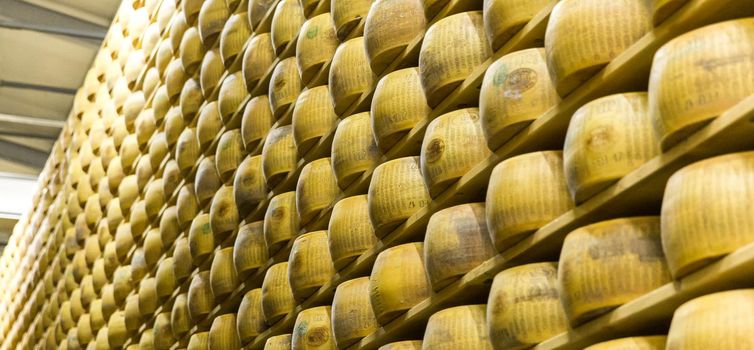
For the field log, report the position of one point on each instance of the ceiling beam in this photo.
(71, 12)
(43, 28)
(30, 127)
(22, 154)
(32, 86)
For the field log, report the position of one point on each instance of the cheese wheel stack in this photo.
(354, 151)
(716, 321)
(315, 47)
(309, 264)
(398, 281)
(352, 315)
(398, 105)
(390, 27)
(313, 118)
(656, 342)
(396, 192)
(461, 327)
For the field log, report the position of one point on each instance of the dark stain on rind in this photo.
(434, 150)
(278, 213)
(520, 80)
(317, 336)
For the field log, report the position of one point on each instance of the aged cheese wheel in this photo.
(144, 173)
(453, 144)
(256, 122)
(96, 318)
(354, 150)
(685, 92)
(316, 189)
(174, 125)
(129, 153)
(66, 319)
(183, 262)
(111, 258)
(145, 127)
(138, 219)
(278, 155)
(350, 232)
(187, 150)
(442, 70)
(229, 154)
(456, 242)
(116, 329)
(398, 105)
(403, 345)
(516, 90)
(277, 296)
(352, 315)
(702, 222)
(200, 301)
(165, 278)
(396, 192)
(124, 241)
(147, 296)
(108, 301)
(281, 221)
(199, 341)
(162, 332)
(158, 150)
(176, 76)
(233, 38)
(222, 276)
(210, 72)
(313, 118)
(504, 18)
(101, 341)
(257, 59)
(222, 333)
(186, 205)
(258, 10)
(164, 55)
(212, 18)
(286, 22)
(122, 283)
(347, 14)
(249, 185)
(656, 342)
(223, 213)
(310, 264)
(574, 59)
(154, 199)
(607, 139)
(146, 340)
(191, 99)
(250, 321)
(207, 181)
(391, 26)
(524, 306)
(134, 66)
(201, 240)
(278, 342)
(316, 46)
(191, 50)
(285, 86)
(191, 9)
(179, 316)
(171, 178)
(77, 306)
(139, 267)
(231, 96)
(99, 275)
(721, 320)
(132, 314)
(169, 227)
(591, 255)
(85, 334)
(398, 281)
(350, 75)
(208, 126)
(249, 249)
(92, 250)
(525, 193)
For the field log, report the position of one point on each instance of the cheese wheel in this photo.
(316, 189)
(403, 345)
(456, 242)
(517, 89)
(147, 296)
(223, 212)
(122, 283)
(129, 153)
(256, 122)
(191, 99)
(164, 54)
(232, 95)
(207, 181)
(124, 241)
(92, 250)
(258, 10)
(278, 342)
(350, 75)
(212, 17)
(249, 185)
(199, 341)
(134, 66)
(223, 277)
(313, 330)
(591, 255)
(717, 321)
(250, 322)
(158, 150)
(186, 150)
(210, 72)
(443, 70)
(313, 118)
(285, 86)
(116, 330)
(524, 306)
(200, 300)
(201, 239)
(183, 262)
(191, 50)
(258, 58)
(396, 192)
(165, 282)
(154, 199)
(398, 281)
(139, 267)
(109, 305)
(574, 59)
(233, 38)
(453, 144)
(171, 178)
(525, 193)
(352, 315)
(702, 222)
(607, 139)
(681, 70)
(504, 18)
(174, 125)
(99, 276)
(179, 316)
(161, 103)
(354, 151)
(85, 334)
(656, 342)
(222, 333)
(662, 9)
(229, 154)
(132, 314)
(278, 155)
(96, 317)
(77, 307)
(208, 126)
(111, 258)
(176, 76)
(316, 46)
(143, 172)
(281, 221)
(191, 9)
(286, 22)
(138, 219)
(101, 341)
(350, 232)
(390, 27)
(277, 296)
(460, 327)
(152, 247)
(347, 14)
(309, 265)
(115, 176)
(146, 340)
(186, 206)
(398, 105)
(168, 227)
(249, 249)
(162, 332)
